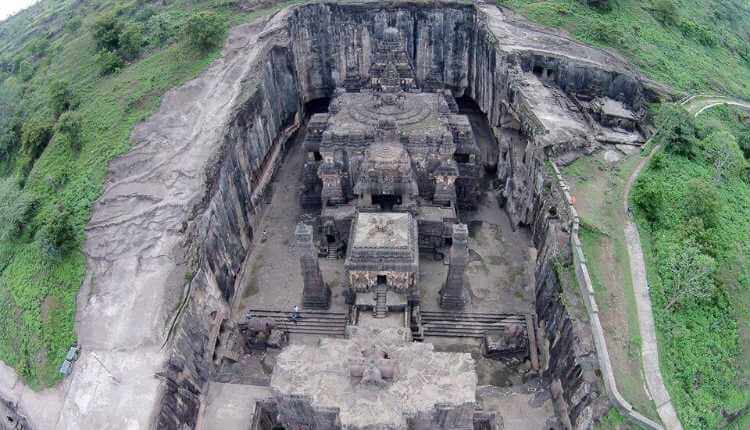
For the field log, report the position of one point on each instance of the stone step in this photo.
(473, 323)
(469, 326)
(477, 317)
(308, 323)
(451, 334)
(318, 332)
(310, 312)
(302, 324)
(469, 314)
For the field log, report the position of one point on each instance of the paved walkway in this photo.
(649, 349)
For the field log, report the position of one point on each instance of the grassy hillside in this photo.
(693, 208)
(695, 223)
(53, 73)
(693, 45)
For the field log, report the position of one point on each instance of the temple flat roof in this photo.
(382, 230)
(425, 378)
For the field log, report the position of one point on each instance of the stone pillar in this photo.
(315, 293)
(454, 294)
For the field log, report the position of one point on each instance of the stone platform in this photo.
(323, 375)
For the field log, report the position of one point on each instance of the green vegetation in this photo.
(613, 421)
(75, 77)
(693, 216)
(693, 45)
(598, 186)
(693, 203)
(204, 30)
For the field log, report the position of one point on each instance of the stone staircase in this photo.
(332, 252)
(312, 322)
(381, 305)
(467, 324)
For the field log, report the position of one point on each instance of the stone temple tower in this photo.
(454, 294)
(315, 294)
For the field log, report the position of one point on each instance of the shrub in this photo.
(57, 236)
(108, 62)
(69, 128)
(38, 47)
(35, 135)
(26, 69)
(15, 209)
(604, 31)
(648, 197)
(10, 137)
(599, 4)
(702, 201)
(60, 97)
(688, 274)
(107, 31)
(743, 140)
(130, 42)
(677, 130)
(73, 25)
(144, 14)
(665, 11)
(723, 152)
(160, 30)
(698, 32)
(204, 30)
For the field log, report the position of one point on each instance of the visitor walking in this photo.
(295, 314)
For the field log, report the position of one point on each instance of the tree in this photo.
(204, 30)
(159, 30)
(60, 97)
(689, 275)
(57, 235)
(15, 209)
(107, 31)
(677, 130)
(743, 140)
(665, 11)
(35, 135)
(702, 201)
(648, 197)
(724, 153)
(10, 137)
(130, 42)
(69, 127)
(108, 62)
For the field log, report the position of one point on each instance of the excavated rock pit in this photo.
(179, 216)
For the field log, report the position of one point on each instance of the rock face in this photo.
(176, 220)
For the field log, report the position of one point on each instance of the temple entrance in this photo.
(317, 106)
(386, 201)
(382, 280)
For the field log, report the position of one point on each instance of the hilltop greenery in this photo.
(75, 77)
(692, 204)
(693, 45)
